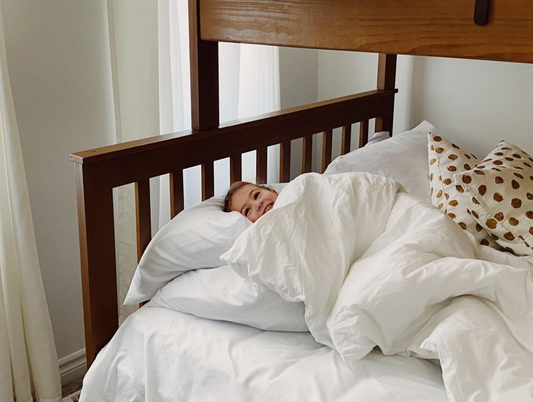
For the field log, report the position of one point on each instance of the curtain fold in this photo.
(28, 359)
(149, 44)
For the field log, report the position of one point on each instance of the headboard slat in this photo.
(327, 140)
(307, 154)
(261, 165)
(346, 139)
(176, 193)
(235, 168)
(143, 216)
(363, 133)
(208, 180)
(285, 162)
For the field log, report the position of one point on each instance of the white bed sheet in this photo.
(159, 355)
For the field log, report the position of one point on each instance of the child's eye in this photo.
(256, 195)
(246, 211)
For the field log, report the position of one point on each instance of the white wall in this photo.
(58, 60)
(473, 103)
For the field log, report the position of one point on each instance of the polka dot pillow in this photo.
(499, 193)
(445, 160)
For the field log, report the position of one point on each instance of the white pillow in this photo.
(402, 158)
(221, 294)
(193, 239)
(378, 137)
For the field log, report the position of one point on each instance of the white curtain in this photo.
(28, 359)
(149, 45)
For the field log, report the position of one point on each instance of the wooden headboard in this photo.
(429, 27)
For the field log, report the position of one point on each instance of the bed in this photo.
(498, 30)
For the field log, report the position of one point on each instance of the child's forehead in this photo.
(248, 187)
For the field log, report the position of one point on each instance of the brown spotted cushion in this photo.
(445, 160)
(499, 193)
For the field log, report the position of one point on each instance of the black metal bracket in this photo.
(481, 12)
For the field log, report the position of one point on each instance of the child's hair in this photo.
(234, 188)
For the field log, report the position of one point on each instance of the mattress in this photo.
(159, 355)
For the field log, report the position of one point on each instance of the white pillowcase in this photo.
(402, 158)
(193, 239)
(378, 137)
(221, 294)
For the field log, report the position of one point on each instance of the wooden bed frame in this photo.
(430, 27)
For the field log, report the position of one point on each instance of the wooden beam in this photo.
(427, 28)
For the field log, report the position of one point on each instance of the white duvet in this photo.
(375, 267)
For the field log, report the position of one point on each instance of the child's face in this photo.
(253, 201)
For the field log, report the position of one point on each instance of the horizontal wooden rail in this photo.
(125, 163)
(424, 28)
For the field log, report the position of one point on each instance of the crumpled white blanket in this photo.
(376, 267)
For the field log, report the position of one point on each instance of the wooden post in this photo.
(204, 74)
(98, 264)
(386, 81)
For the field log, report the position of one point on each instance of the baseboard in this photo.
(73, 366)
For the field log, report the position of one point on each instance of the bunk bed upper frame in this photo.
(431, 27)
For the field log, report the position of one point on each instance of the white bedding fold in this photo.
(159, 355)
(374, 266)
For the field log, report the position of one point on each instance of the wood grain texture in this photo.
(98, 265)
(159, 155)
(428, 28)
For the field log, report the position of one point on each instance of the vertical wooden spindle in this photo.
(176, 193)
(261, 165)
(327, 137)
(285, 162)
(208, 180)
(363, 133)
(142, 216)
(235, 168)
(346, 139)
(307, 153)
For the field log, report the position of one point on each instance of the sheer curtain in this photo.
(28, 358)
(149, 44)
